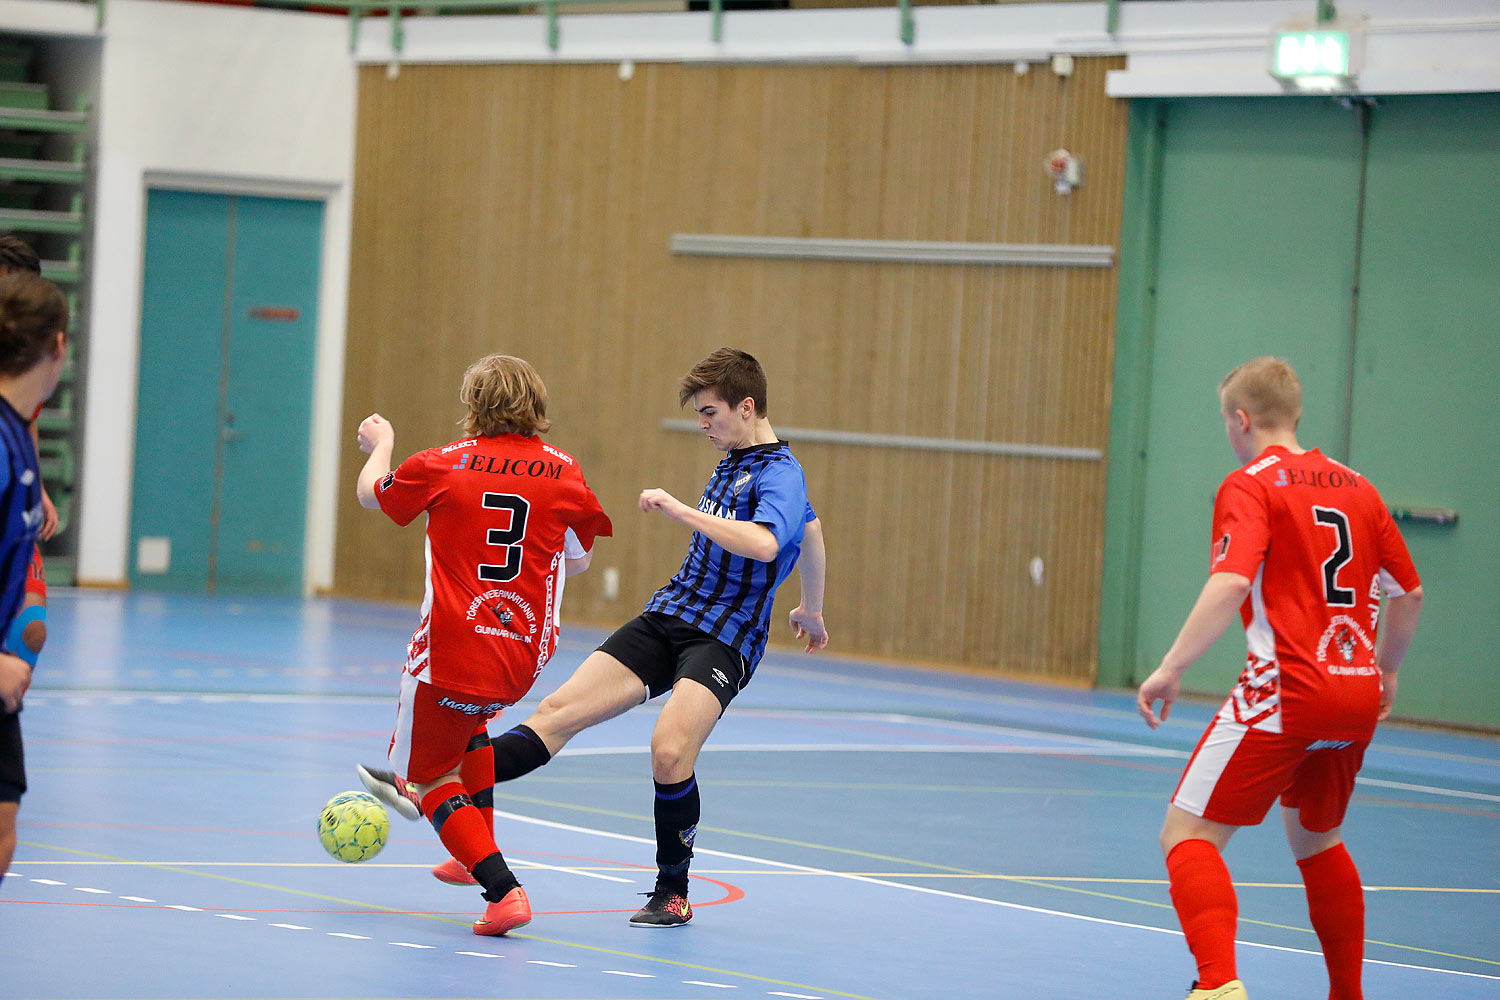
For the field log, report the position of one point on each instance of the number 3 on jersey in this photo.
(507, 537)
(1338, 597)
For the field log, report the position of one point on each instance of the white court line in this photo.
(138, 899)
(184, 909)
(408, 944)
(570, 871)
(632, 975)
(928, 891)
(351, 937)
(1090, 746)
(233, 916)
(554, 965)
(1428, 789)
(1015, 701)
(480, 954)
(292, 927)
(717, 986)
(994, 748)
(97, 892)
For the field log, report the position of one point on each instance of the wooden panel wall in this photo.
(527, 209)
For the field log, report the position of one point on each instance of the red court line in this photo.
(82, 741)
(1460, 810)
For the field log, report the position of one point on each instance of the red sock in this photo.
(459, 825)
(1336, 904)
(1206, 908)
(478, 775)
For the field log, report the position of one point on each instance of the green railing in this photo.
(394, 11)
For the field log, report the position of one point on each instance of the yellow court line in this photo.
(448, 920)
(739, 833)
(1042, 882)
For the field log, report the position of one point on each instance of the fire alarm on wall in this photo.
(1066, 170)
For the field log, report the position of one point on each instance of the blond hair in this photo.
(1267, 389)
(504, 395)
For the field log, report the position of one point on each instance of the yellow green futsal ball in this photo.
(353, 827)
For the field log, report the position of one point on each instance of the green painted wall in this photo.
(1427, 381)
(1242, 237)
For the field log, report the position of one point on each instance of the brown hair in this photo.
(730, 374)
(1266, 388)
(32, 313)
(504, 395)
(16, 255)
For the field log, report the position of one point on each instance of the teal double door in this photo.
(224, 405)
(1367, 256)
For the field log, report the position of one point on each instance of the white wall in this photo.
(214, 98)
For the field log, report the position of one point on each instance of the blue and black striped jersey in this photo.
(729, 596)
(21, 508)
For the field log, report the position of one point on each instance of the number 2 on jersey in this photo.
(507, 537)
(1341, 597)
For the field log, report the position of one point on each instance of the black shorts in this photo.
(12, 760)
(661, 649)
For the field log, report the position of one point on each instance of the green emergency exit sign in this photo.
(1297, 54)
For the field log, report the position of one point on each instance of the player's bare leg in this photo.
(601, 688)
(686, 719)
(8, 811)
(1204, 898)
(690, 714)
(1304, 842)
(1335, 901)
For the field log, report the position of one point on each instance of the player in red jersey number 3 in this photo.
(1303, 549)
(509, 517)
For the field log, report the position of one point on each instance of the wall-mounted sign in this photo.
(276, 314)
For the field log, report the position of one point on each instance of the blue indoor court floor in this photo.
(868, 832)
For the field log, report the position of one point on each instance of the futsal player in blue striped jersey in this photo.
(703, 633)
(33, 348)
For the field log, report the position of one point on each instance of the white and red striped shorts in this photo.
(433, 728)
(1236, 773)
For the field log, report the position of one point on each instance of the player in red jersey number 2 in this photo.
(509, 517)
(1303, 549)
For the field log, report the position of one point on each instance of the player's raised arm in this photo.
(806, 618)
(1216, 607)
(743, 538)
(377, 438)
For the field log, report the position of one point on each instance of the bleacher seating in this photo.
(43, 177)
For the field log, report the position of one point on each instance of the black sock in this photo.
(517, 752)
(495, 875)
(677, 810)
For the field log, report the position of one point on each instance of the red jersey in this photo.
(503, 513)
(1319, 547)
